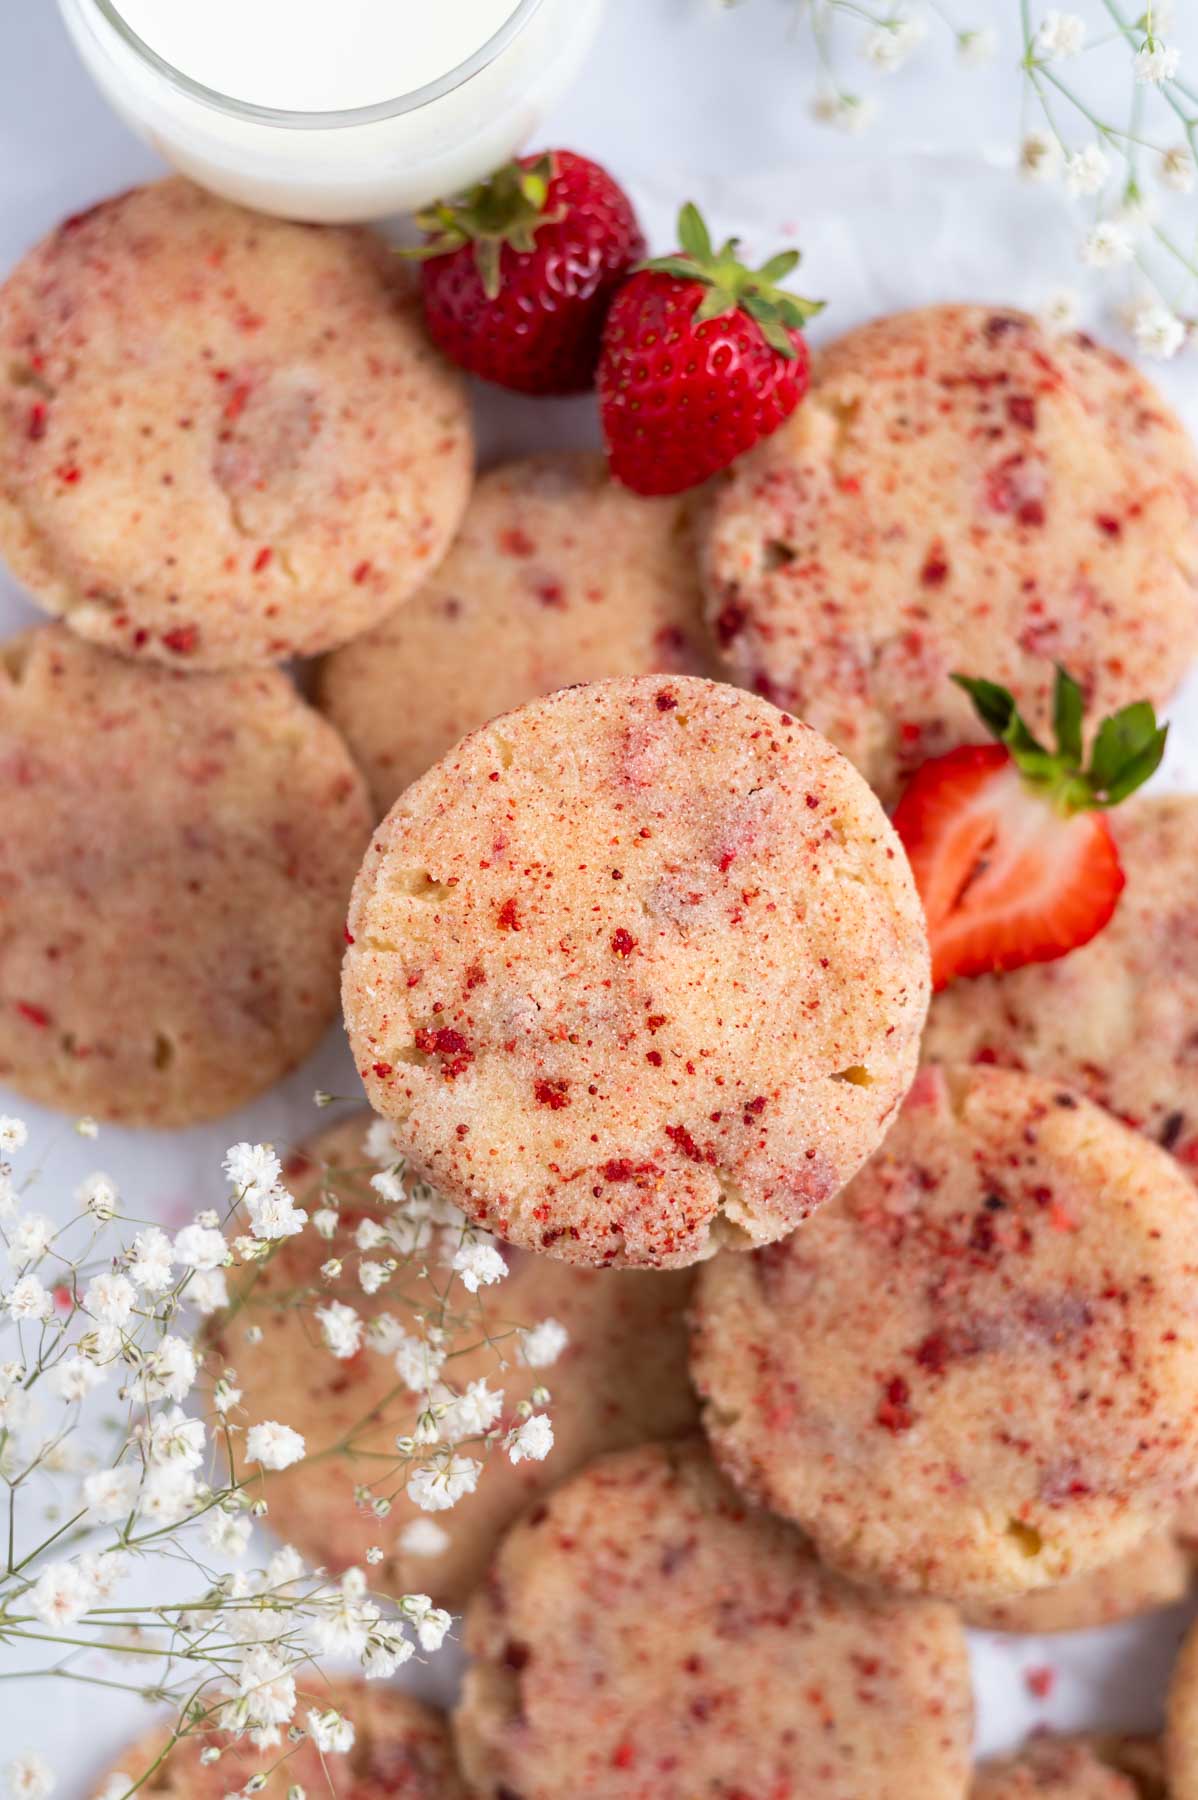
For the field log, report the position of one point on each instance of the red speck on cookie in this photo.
(622, 942)
(894, 1408)
(552, 1094)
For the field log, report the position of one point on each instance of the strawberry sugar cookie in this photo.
(1156, 1573)
(176, 858)
(645, 1633)
(1084, 1768)
(637, 969)
(558, 576)
(977, 1374)
(223, 438)
(959, 491)
(1115, 1019)
(401, 1751)
(620, 1379)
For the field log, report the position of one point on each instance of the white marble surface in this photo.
(680, 99)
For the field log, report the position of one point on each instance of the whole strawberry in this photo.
(702, 357)
(519, 273)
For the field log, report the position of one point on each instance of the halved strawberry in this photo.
(1012, 856)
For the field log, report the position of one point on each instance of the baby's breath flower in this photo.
(325, 1222)
(167, 1494)
(201, 1247)
(224, 1395)
(275, 1214)
(109, 1494)
(284, 1567)
(116, 1787)
(110, 1299)
(374, 1554)
(208, 1291)
(8, 1192)
(1040, 157)
(168, 1373)
(417, 1363)
(1157, 331)
(435, 1487)
(389, 1187)
(60, 1595)
(1086, 171)
(73, 1379)
(540, 1347)
(1060, 34)
(341, 1328)
(29, 1777)
(331, 1732)
(252, 1169)
(29, 1239)
(977, 48)
(264, 1693)
(373, 1276)
(151, 1262)
(331, 1270)
(430, 1622)
(369, 1235)
(87, 1127)
(479, 1263)
(226, 1533)
(1108, 245)
(28, 1299)
(1177, 169)
(423, 1537)
(273, 1445)
(174, 1438)
(850, 113)
(14, 1134)
(104, 1571)
(889, 44)
(533, 1439)
(1156, 62)
(97, 1195)
(380, 1142)
(472, 1413)
(387, 1649)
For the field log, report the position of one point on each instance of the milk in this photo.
(333, 109)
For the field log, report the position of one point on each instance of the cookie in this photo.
(644, 1633)
(959, 491)
(636, 969)
(223, 438)
(976, 1375)
(401, 1748)
(621, 1379)
(1114, 1019)
(1181, 1734)
(176, 858)
(1089, 1768)
(1156, 1573)
(559, 575)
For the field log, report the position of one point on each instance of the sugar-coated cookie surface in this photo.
(1115, 1019)
(1156, 1573)
(621, 1379)
(959, 491)
(644, 1635)
(977, 1373)
(401, 1751)
(1084, 1768)
(558, 575)
(223, 438)
(636, 968)
(175, 863)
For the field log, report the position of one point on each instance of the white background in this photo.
(681, 99)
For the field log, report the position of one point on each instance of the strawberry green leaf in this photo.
(1067, 710)
(693, 234)
(1119, 741)
(1136, 771)
(732, 286)
(779, 267)
(994, 705)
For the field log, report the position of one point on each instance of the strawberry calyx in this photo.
(1126, 750)
(732, 286)
(508, 207)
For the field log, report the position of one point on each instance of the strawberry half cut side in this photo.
(1011, 852)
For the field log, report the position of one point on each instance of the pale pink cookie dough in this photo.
(621, 1379)
(1084, 1768)
(1117, 1018)
(558, 575)
(223, 438)
(401, 1751)
(175, 861)
(959, 491)
(1156, 1573)
(636, 970)
(977, 1374)
(644, 1635)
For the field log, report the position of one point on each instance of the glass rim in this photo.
(326, 120)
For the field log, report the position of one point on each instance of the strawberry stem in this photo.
(1127, 748)
(733, 287)
(509, 207)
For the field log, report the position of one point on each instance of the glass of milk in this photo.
(333, 109)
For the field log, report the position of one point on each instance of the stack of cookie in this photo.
(638, 974)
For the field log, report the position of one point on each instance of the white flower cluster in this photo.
(186, 1473)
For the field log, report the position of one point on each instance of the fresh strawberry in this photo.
(519, 272)
(702, 358)
(1012, 856)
